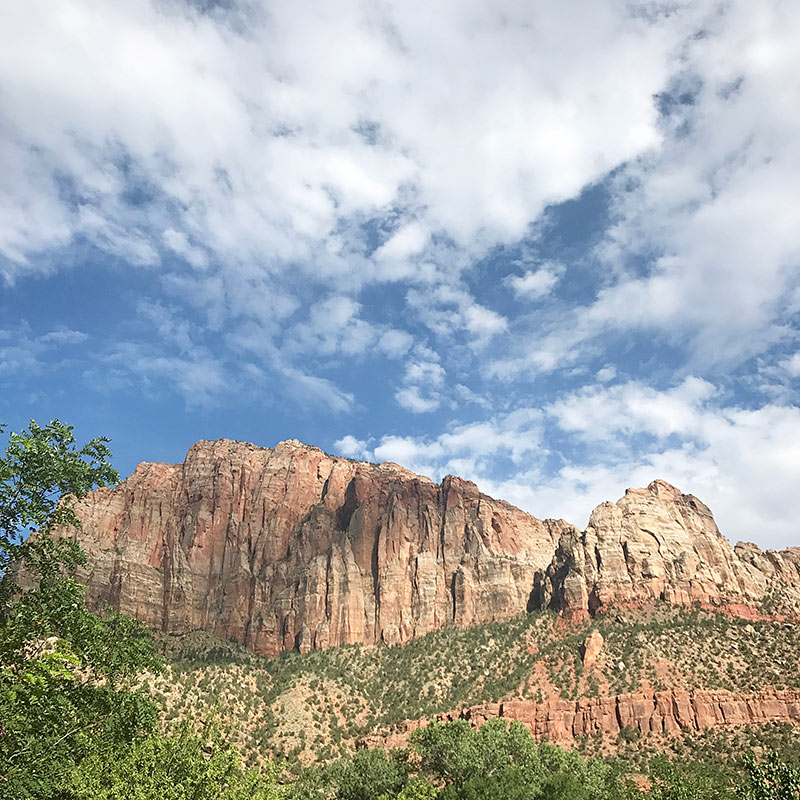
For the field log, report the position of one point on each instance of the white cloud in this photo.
(24, 353)
(602, 414)
(395, 343)
(536, 284)
(196, 376)
(792, 365)
(350, 447)
(703, 250)
(62, 336)
(334, 327)
(427, 372)
(179, 243)
(272, 169)
(412, 399)
(448, 309)
(466, 450)
(423, 382)
(247, 142)
(409, 241)
(606, 374)
(744, 463)
(482, 322)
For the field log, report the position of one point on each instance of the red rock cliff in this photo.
(662, 712)
(292, 548)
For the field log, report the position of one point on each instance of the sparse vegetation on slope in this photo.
(320, 704)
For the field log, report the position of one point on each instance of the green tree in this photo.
(689, 780)
(65, 673)
(180, 767)
(771, 779)
(503, 760)
(42, 473)
(372, 774)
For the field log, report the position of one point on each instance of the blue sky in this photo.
(553, 248)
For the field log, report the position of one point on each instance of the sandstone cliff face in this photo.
(292, 548)
(662, 712)
(659, 544)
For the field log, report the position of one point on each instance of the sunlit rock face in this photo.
(291, 548)
(659, 544)
(668, 712)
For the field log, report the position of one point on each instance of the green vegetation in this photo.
(90, 709)
(452, 761)
(72, 723)
(323, 703)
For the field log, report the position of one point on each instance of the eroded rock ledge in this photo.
(658, 712)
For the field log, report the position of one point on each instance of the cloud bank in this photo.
(551, 247)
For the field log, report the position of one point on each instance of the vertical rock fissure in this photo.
(445, 494)
(376, 585)
(166, 583)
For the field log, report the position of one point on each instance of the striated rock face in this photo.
(659, 544)
(662, 712)
(292, 548)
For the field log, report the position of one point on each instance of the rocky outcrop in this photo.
(591, 649)
(659, 544)
(292, 548)
(657, 712)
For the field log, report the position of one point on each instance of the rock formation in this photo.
(292, 548)
(659, 544)
(660, 712)
(591, 649)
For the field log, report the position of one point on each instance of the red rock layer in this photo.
(662, 712)
(292, 548)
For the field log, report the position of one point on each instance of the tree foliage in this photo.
(180, 767)
(42, 471)
(503, 760)
(65, 673)
(770, 779)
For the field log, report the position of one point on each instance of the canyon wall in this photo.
(291, 548)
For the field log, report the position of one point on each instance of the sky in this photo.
(553, 248)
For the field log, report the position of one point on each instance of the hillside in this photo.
(314, 605)
(326, 703)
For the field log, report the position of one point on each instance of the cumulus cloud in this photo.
(350, 447)
(791, 365)
(703, 251)
(303, 187)
(466, 450)
(423, 382)
(603, 414)
(536, 283)
(744, 463)
(244, 138)
(741, 462)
